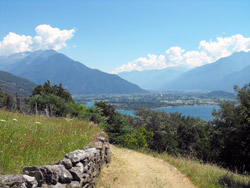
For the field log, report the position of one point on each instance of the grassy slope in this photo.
(36, 140)
(207, 175)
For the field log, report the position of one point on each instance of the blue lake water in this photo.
(204, 112)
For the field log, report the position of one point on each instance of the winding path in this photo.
(130, 169)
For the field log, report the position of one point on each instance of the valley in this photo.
(158, 99)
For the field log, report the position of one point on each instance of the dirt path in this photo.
(130, 169)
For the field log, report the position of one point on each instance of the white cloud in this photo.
(207, 52)
(46, 37)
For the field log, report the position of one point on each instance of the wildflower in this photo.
(14, 119)
(1, 151)
(2, 120)
(68, 120)
(37, 122)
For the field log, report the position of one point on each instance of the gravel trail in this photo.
(130, 169)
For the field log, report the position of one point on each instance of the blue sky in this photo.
(106, 34)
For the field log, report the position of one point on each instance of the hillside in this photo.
(14, 84)
(79, 79)
(28, 140)
(153, 79)
(220, 75)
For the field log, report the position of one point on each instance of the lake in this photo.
(204, 112)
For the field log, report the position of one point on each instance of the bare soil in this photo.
(130, 169)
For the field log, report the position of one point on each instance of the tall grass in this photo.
(206, 175)
(35, 140)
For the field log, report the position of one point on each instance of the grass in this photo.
(206, 175)
(27, 140)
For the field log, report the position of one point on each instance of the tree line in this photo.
(224, 140)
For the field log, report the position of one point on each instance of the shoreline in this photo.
(155, 108)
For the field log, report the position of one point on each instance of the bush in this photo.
(140, 138)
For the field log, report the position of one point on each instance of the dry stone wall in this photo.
(79, 168)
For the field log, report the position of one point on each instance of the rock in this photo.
(80, 167)
(59, 185)
(74, 184)
(30, 181)
(50, 175)
(76, 173)
(98, 145)
(67, 163)
(85, 179)
(63, 174)
(102, 134)
(101, 138)
(13, 180)
(76, 156)
(87, 185)
(85, 168)
(34, 171)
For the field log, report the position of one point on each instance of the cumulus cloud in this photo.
(46, 37)
(207, 52)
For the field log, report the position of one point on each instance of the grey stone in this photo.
(76, 173)
(50, 175)
(80, 167)
(101, 138)
(85, 168)
(34, 171)
(76, 156)
(85, 179)
(59, 185)
(74, 184)
(67, 163)
(23, 185)
(98, 145)
(30, 181)
(102, 134)
(87, 185)
(85, 162)
(63, 174)
(13, 180)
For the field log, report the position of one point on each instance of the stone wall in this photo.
(79, 168)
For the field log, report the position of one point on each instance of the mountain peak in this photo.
(41, 66)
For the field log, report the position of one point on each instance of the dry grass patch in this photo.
(207, 175)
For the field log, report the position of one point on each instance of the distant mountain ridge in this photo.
(41, 66)
(153, 79)
(220, 75)
(13, 84)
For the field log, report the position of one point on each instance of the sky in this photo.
(125, 35)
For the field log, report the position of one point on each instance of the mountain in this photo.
(153, 79)
(13, 84)
(6, 62)
(220, 75)
(221, 94)
(41, 66)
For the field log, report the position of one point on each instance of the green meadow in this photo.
(27, 140)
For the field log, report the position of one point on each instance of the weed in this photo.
(36, 140)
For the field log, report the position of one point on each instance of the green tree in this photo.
(115, 124)
(231, 135)
(140, 138)
(59, 100)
